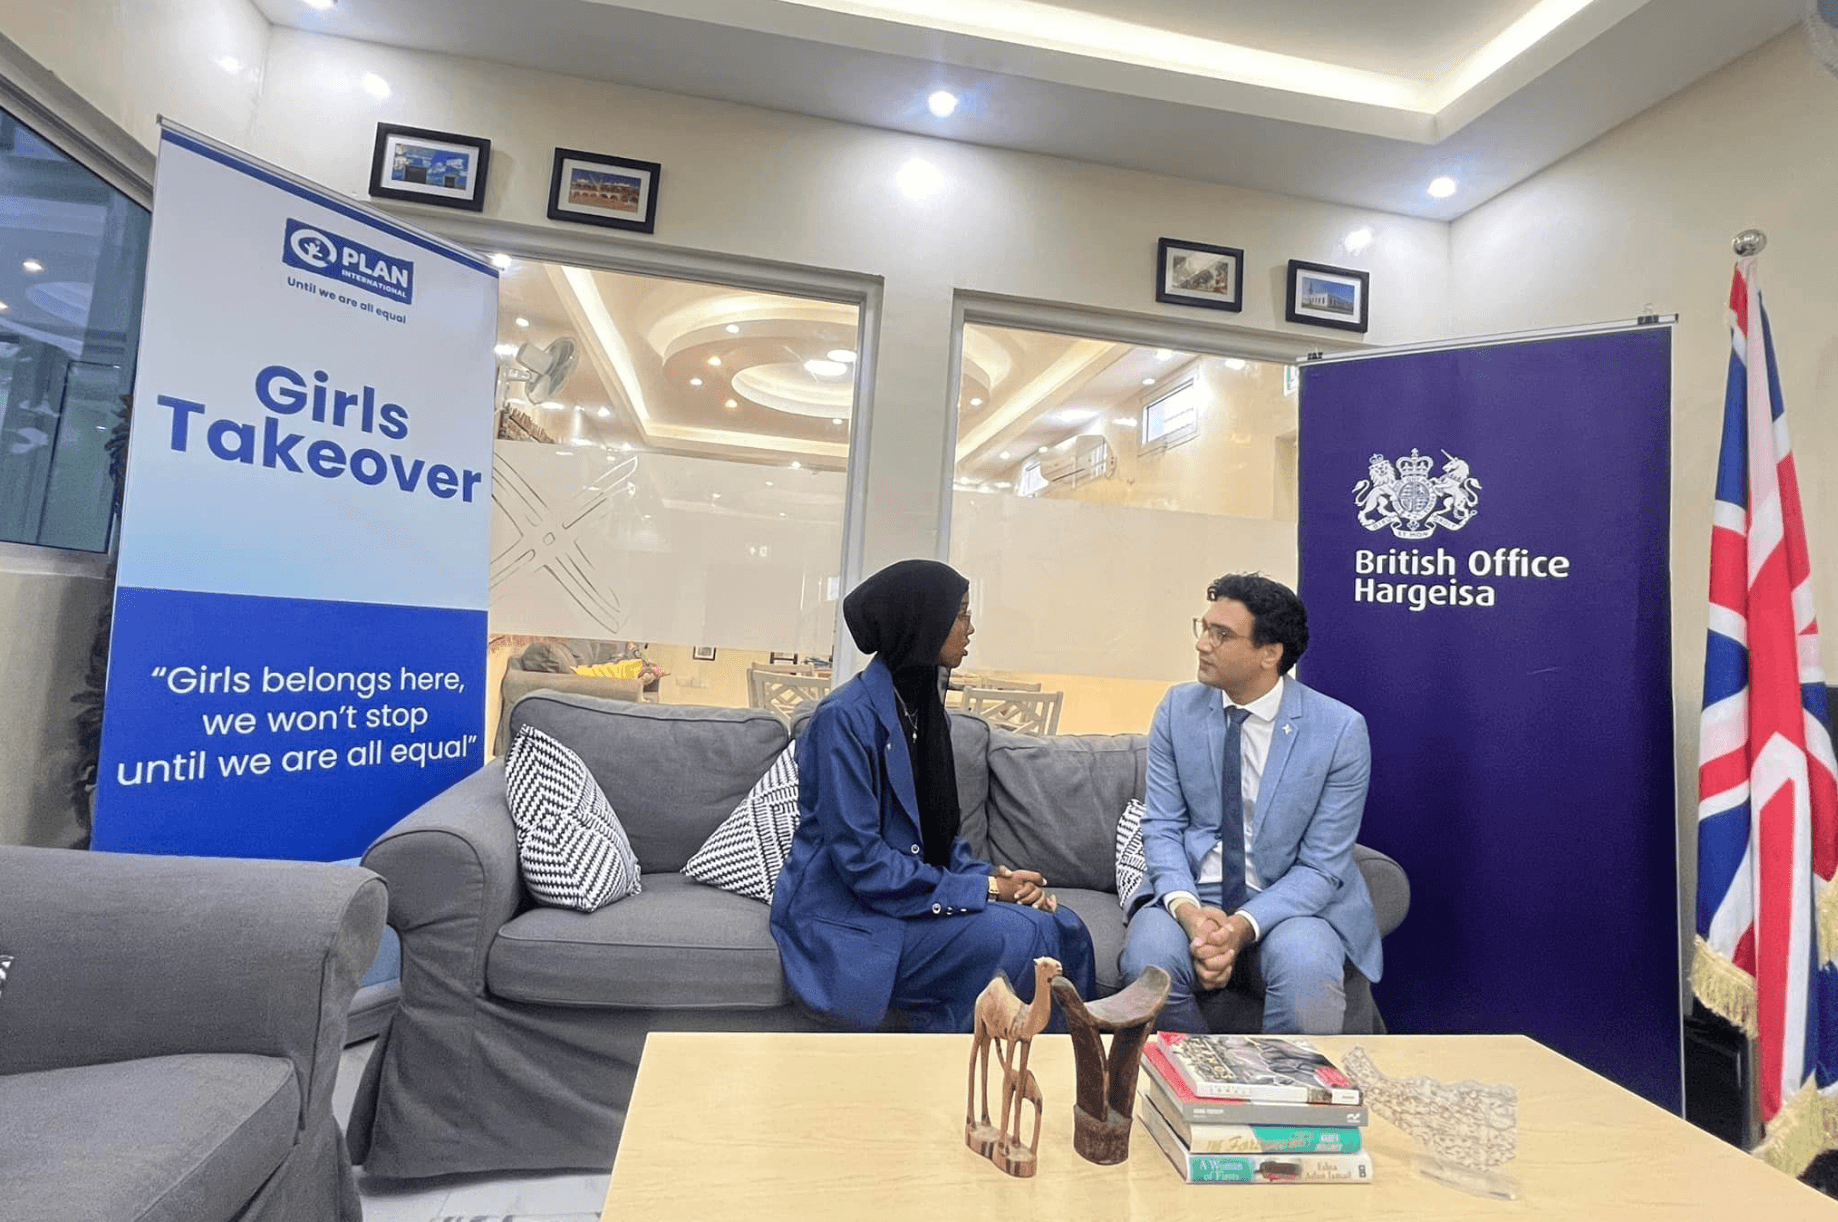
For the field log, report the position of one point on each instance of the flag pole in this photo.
(1749, 243)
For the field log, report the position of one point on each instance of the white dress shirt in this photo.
(1254, 747)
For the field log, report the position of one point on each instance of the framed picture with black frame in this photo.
(423, 166)
(1324, 296)
(1198, 274)
(599, 189)
(703, 653)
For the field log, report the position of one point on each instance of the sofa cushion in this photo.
(747, 852)
(548, 657)
(1132, 859)
(1389, 886)
(570, 846)
(679, 945)
(1102, 917)
(164, 1139)
(673, 772)
(6, 964)
(1054, 803)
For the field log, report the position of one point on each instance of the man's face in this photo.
(958, 643)
(1228, 659)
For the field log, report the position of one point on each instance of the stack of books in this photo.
(1252, 1109)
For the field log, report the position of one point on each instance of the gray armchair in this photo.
(170, 1032)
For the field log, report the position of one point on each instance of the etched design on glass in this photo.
(547, 536)
(1465, 1131)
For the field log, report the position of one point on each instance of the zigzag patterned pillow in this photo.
(745, 854)
(1132, 864)
(6, 961)
(573, 852)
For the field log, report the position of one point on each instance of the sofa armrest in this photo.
(453, 878)
(1389, 885)
(118, 956)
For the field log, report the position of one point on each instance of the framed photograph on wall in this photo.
(781, 659)
(430, 167)
(1196, 274)
(597, 189)
(703, 653)
(1324, 296)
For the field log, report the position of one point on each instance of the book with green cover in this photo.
(1196, 1110)
(1204, 1138)
(1255, 1168)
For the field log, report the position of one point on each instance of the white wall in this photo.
(1645, 215)
(135, 60)
(782, 187)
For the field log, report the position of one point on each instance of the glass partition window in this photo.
(1098, 488)
(73, 254)
(669, 483)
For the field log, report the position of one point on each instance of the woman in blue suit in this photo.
(881, 904)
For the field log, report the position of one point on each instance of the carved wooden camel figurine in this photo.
(1107, 1091)
(1004, 1018)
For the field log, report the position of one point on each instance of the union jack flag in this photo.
(1767, 920)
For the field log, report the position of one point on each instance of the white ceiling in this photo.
(1359, 102)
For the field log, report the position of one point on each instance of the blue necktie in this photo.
(1231, 807)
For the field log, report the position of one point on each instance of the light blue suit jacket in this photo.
(1305, 821)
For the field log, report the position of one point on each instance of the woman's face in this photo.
(958, 643)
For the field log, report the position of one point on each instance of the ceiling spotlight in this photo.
(626, 448)
(230, 64)
(835, 419)
(1148, 381)
(731, 403)
(1125, 422)
(376, 86)
(733, 329)
(1164, 354)
(1041, 450)
(843, 356)
(321, 5)
(605, 412)
(919, 179)
(1002, 483)
(795, 464)
(715, 496)
(825, 369)
(768, 483)
(503, 350)
(1232, 362)
(1442, 188)
(1360, 238)
(942, 103)
(1005, 456)
(695, 381)
(714, 362)
(501, 261)
(33, 266)
(4, 307)
(976, 403)
(523, 322)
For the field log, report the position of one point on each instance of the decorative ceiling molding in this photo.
(1081, 360)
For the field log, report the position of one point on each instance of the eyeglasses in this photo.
(1213, 634)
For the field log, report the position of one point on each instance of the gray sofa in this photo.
(519, 1029)
(170, 1032)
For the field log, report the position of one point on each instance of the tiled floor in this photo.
(569, 1197)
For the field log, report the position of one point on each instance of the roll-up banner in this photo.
(298, 652)
(1484, 535)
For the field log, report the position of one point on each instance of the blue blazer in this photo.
(1306, 819)
(856, 870)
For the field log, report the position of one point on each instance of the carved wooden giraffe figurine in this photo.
(1003, 1017)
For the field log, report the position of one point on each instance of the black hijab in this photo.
(905, 614)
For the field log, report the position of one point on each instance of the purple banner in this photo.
(1484, 539)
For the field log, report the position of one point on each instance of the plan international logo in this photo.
(314, 250)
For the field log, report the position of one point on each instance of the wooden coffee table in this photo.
(869, 1128)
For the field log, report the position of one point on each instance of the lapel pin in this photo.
(1288, 728)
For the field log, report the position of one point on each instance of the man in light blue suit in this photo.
(1256, 785)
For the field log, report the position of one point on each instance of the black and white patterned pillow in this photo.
(745, 854)
(1132, 863)
(573, 852)
(6, 962)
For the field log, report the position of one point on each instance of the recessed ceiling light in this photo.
(1005, 455)
(826, 369)
(919, 179)
(1127, 422)
(1001, 483)
(768, 483)
(505, 350)
(376, 86)
(976, 403)
(1442, 188)
(795, 464)
(733, 329)
(1359, 239)
(321, 5)
(835, 419)
(714, 362)
(942, 103)
(731, 403)
(230, 64)
(1164, 354)
(1148, 381)
(844, 356)
(33, 266)
(523, 322)
(626, 448)
(781, 513)
(605, 412)
(501, 261)
(4, 307)
(1232, 362)
(695, 381)
(715, 495)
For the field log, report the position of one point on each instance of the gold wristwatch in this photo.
(995, 892)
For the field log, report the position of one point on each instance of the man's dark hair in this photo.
(1277, 615)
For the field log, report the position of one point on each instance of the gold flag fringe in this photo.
(1806, 1126)
(1724, 987)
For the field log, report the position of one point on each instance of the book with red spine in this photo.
(1238, 1111)
(1257, 1068)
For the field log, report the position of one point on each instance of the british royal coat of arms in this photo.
(1412, 501)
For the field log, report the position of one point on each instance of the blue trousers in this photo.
(1299, 965)
(946, 962)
